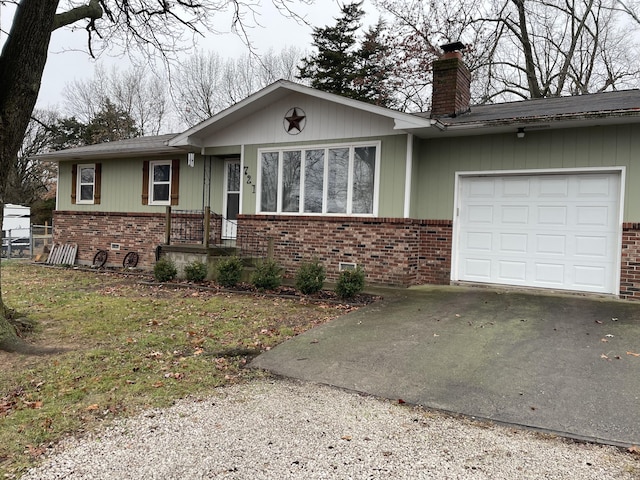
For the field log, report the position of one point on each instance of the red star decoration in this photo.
(295, 121)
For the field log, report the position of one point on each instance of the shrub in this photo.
(165, 270)
(195, 271)
(350, 283)
(267, 275)
(229, 271)
(310, 277)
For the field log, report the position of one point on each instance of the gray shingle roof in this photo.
(580, 106)
(151, 145)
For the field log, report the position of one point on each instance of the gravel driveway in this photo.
(285, 429)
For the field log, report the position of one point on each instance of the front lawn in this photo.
(120, 346)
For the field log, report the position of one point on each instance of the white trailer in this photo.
(16, 229)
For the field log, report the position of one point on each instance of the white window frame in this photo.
(79, 184)
(152, 165)
(326, 148)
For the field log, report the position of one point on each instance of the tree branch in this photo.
(92, 11)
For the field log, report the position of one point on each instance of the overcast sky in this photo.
(67, 61)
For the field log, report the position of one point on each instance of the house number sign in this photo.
(248, 177)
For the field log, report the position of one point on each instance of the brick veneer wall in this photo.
(393, 251)
(135, 232)
(630, 264)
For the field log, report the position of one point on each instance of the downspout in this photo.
(408, 175)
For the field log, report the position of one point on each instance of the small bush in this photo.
(310, 277)
(267, 276)
(350, 283)
(165, 270)
(229, 272)
(195, 271)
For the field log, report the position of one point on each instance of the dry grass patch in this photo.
(125, 347)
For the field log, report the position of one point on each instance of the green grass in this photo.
(124, 347)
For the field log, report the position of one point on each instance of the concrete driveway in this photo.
(566, 364)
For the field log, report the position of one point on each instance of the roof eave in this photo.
(66, 155)
(552, 122)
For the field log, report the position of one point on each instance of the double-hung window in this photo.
(85, 183)
(160, 182)
(319, 180)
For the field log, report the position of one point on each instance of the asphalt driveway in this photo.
(566, 364)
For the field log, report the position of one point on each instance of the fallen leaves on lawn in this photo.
(633, 354)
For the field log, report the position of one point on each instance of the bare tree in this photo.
(197, 87)
(138, 91)
(518, 48)
(207, 83)
(30, 179)
(146, 25)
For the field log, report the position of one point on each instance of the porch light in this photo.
(191, 159)
(520, 133)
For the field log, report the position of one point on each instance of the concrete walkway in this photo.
(565, 364)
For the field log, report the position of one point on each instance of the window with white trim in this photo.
(160, 183)
(319, 180)
(86, 179)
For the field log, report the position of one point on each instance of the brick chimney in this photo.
(451, 83)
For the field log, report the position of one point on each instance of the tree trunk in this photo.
(21, 65)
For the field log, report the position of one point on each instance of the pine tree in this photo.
(344, 66)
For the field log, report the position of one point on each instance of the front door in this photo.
(231, 199)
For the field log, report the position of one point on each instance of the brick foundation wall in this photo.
(630, 264)
(135, 232)
(392, 251)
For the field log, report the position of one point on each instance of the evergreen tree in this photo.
(109, 124)
(372, 81)
(344, 66)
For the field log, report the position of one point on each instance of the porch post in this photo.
(207, 226)
(167, 226)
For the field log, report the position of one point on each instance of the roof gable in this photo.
(281, 94)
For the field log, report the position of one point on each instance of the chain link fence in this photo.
(26, 243)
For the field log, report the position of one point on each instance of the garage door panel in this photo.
(551, 244)
(553, 187)
(549, 230)
(483, 188)
(477, 269)
(549, 275)
(552, 215)
(514, 214)
(512, 272)
(591, 215)
(516, 187)
(480, 214)
(513, 243)
(589, 276)
(595, 186)
(591, 246)
(479, 241)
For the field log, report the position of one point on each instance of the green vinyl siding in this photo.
(439, 160)
(121, 187)
(393, 176)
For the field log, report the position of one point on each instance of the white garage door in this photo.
(551, 231)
